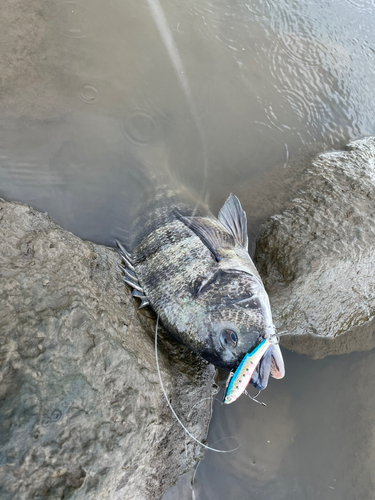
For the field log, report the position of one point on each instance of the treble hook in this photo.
(227, 385)
(254, 398)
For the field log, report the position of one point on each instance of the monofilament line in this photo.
(169, 404)
(166, 35)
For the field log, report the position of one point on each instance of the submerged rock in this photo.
(82, 414)
(317, 256)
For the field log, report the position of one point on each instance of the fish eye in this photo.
(229, 338)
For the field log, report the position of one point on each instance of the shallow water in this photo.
(97, 97)
(91, 95)
(314, 440)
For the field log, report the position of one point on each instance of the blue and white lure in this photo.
(238, 382)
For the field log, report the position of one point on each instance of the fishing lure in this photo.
(240, 379)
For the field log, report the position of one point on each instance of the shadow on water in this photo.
(93, 105)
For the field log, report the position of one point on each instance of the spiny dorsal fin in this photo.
(211, 232)
(234, 219)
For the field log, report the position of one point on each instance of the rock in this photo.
(82, 415)
(317, 255)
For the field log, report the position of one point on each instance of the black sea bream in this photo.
(195, 271)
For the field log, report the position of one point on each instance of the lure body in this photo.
(244, 372)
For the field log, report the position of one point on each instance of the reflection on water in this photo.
(93, 104)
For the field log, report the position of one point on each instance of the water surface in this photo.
(314, 440)
(90, 95)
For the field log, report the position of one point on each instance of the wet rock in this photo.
(317, 255)
(82, 415)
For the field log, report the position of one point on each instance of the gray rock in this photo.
(317, 256)
(82, 415)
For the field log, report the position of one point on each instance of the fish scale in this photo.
(194, 270)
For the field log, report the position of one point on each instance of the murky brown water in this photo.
(89, 91)
(96, 93)
(314, 440)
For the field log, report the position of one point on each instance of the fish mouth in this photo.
(272, 363)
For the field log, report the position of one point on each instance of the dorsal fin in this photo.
(211, 232)
(234, 219)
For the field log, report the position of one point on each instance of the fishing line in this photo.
(253, 398)
(169, 404)
(165, 33)
(193, 481)
(212, 399)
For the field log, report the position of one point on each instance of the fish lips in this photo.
(272, 363)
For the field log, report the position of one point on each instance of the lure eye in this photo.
(229, 338)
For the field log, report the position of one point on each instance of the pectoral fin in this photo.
(211, 232)
(234, 219)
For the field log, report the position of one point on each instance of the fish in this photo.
(194, 270)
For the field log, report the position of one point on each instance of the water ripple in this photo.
(75, 17)
(308, 76)
(290, 113)
(142, 128)
(235, 27)
(88, 93)
(302, 50)
(258, 9)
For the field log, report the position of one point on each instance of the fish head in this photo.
(238, 319)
